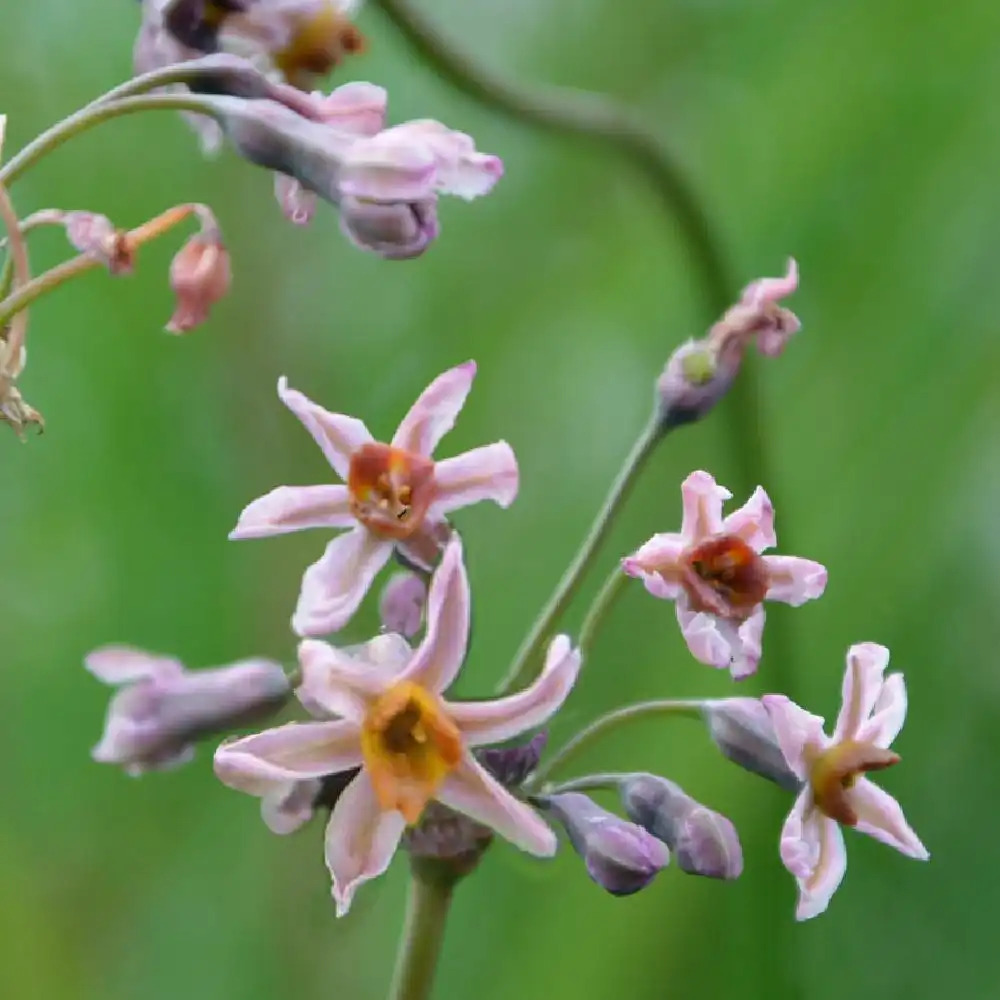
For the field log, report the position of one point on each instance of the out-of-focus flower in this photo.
(401, 607)
(715, 573)
(392, 492)
(621, 858)
(700, 372)
(162, 710)
(836, 791)
(704, 842)
(98, 237)
(200, 275)
(412, 746)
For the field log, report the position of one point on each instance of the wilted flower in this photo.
(163, 709)
(200, 275)
(98, 237)
(714, 571)
(392, 493)
(411, 745)
(621, 857)
(401, 607)
(836, 791)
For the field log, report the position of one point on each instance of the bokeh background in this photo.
(864, 138)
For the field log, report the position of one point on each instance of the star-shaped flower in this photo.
(394, 494)
(715, 572)
(836, 792)
(412, 746)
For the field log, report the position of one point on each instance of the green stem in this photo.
(423, 935)
(578, 113)
(525, 662)
(22, 274)
(612, 588)
(95, 114)
(605, 724)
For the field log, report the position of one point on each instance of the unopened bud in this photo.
(97, 237)
(695, 378)
(162, 709)
(448, 837)
(512, 765)
(396, 230)
(742, 729)
(704, 842)
(401, 607)
(200, 275)
(621, 857)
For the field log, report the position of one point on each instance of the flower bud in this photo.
(695, 378)
(396, 230)
(512, 765)
(200, 275)
(443, 835)
(704, 842)
(742, 729)
(621, 857)
(401, 607)
(162, 709)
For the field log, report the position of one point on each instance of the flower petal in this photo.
(794, 581)
(339, 436)
(772, 290)
(703, 636)
(434, 412)
(334, 586)
(294, 508)
(796, 730)
(439, 657)
(747, 649)
(338, 682)
(360, 840)
(487, 473)
(866, 663)
(887, 716)
(658, 564)
(880, 816)
(296, 203)
(816, 891)
(469, 789)
(290, 806)
(356, 107)
(485, 722)
(753, 522)
(297, 751)
(122, 664)
(703, 498)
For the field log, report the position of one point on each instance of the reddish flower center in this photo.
(833, 772)
(390, 489)
(724, 577)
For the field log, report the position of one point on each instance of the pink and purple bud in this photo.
(401, 607)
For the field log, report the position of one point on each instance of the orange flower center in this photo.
(390, 489)
(410, 745)
(724, 576)
(833, 772)
(318, 43)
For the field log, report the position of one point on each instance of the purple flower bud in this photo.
(621, 857)
(401, 607)
(742, 729)
(512, 765)
(704, 842)
(162, 709)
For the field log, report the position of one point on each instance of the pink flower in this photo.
(394, 494)
(714, 571)
(412, 746)
(200, 275)
(835, 791)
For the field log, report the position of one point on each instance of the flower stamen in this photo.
(724, 576)
(391, 489)
(834, 772)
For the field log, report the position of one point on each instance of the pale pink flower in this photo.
(835, 791)
(392, 494)
(714, 571)
(412, 746)
(200, 275)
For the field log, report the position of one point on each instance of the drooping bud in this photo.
(621, 858)
(704, 841)
(162, 709)
(401, 607)
(396, 230)
(511, 765)
(200, 275)
(742, 729)
(97, 237)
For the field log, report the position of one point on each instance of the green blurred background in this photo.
(864, 138)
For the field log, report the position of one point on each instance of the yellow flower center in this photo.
(317, 44)
(390, 489)
(724, 576)
(410, 745)
(832, 774)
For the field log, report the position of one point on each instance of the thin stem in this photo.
(22, 275)
(95, 114)
(525, 661)
(578, 113)
(607, 597)
(605, 724)
(423, 934)
(603, 782)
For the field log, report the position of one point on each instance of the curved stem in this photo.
(606, 723)
(581, 114)
(423, 934)
(525, 662)
(22, 275)
(95, 114)
(612, 588)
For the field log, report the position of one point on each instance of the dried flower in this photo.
(621, 858)
(836, 791)
(401, 607)
(714, 571)
(392, 493)
(412, 746)
(163, 709)
(97, 237)
(200, 275)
